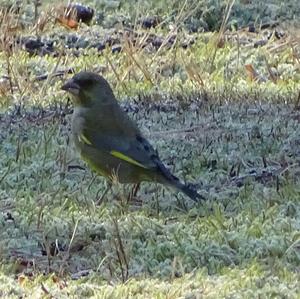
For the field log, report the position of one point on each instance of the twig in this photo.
(122, 251)
(67, 255)
(59, 73)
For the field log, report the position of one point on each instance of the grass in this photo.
(244, 238)
(213, 124)
(238, 283)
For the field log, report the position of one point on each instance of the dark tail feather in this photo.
(189, 191)
(172, 180)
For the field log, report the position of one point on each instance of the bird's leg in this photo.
(136, 189)
(133, 192)
(107, 188)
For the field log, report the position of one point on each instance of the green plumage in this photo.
(109, 141)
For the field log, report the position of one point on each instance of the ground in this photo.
(224, 115)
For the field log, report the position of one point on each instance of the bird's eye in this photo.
(84, 83)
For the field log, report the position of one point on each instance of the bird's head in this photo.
(88, 89)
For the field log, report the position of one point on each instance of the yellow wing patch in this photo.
(83, 139)
(126, 158)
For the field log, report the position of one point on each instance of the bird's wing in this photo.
(135, 150)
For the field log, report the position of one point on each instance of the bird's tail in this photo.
(173, 181)
(188, 190)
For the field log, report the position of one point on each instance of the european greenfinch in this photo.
(109, 141)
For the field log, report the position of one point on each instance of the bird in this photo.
(109, 141)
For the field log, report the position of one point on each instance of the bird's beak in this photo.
(71, 87)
